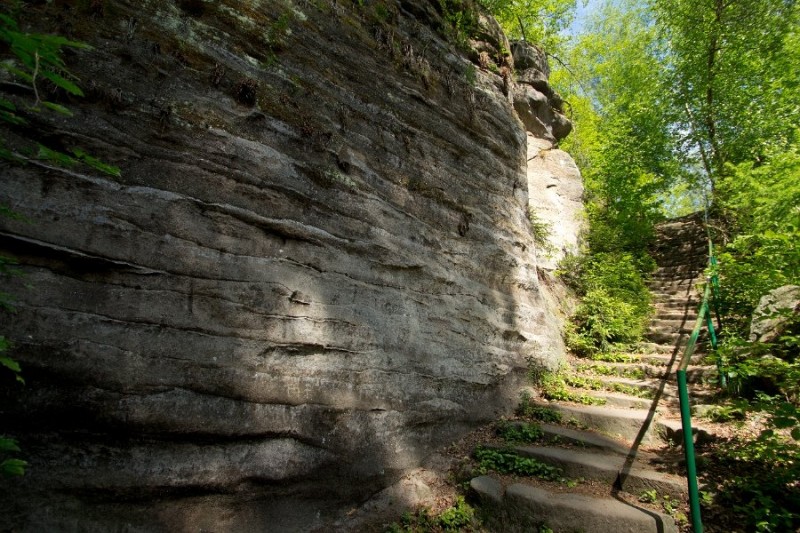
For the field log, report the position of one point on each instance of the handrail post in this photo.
(688, 450)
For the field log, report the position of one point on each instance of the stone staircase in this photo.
(619, 463)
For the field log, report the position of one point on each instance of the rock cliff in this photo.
(315, 268)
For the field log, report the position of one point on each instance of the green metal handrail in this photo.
(703, 315)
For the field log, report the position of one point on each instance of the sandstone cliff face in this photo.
(315, 268)
(555, 190)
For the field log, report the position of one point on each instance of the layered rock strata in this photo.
(314, 268)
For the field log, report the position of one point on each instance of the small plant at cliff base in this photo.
(520, 433)
(508, 462)
(544, 414)
(554, 387)
(615, 302)
(459, 517)
(37, 61)
(542, 233)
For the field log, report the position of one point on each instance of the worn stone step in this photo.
(668, 387)
(622, 401)
(663, 360)
(523, 507)
(662, 337)
(602, 368)
(654, 348)
(671, 324)
(629, 474)
(587, 439)
(676, 301)
(672, 283)
(675, 313)
(675, 273)
(615, 422)
(674, 290)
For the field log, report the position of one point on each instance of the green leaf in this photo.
(57, 108)
(781, 422)
(8, 445)
(55, 156)
(8, 155)
(64, 83)
(13, 467)
(95, 163)
(17, 72)
(796, 433)
(10, 364)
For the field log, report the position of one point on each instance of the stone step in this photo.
(673, 290)
(675, 313)
(676, 301)
(588, 439)
(615, 422)
(676, 273)
(616, 470)
(633, 369)
(694, 373)
(668, 387)
(665, 283)
(647, 348)
(671, 324)
(662, 337)
(523, 507)
(689, 259)
(667, 359)
(620, 400)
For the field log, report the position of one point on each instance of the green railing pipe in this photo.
(703, 316)
(688, 448)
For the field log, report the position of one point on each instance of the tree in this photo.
(721, 58)
(539, 21)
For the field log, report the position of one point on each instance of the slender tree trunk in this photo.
(714, 47)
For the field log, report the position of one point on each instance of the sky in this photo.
(582, 14)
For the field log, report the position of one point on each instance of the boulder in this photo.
(775, 311)
(530, 56)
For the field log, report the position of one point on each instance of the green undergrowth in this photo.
(553, 385)
(614, 303)
(459, 517)
(528, 409)
(757, 479)
(508, 462)
(582, 382)
(615, 357)
(520, 433)
(608, 370)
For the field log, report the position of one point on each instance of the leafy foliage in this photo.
(37, 59)
(508, 462)
(615, 302)
(542, 233)
(759, 482)
(459, 517)
(538, 21)
(10, 466)
(523, 432)
(544, 414)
